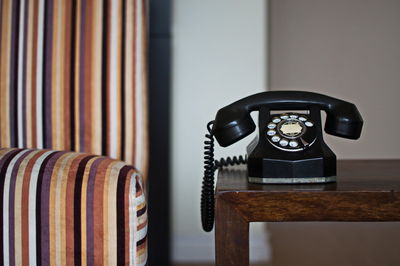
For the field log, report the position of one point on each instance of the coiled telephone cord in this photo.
(210, 165)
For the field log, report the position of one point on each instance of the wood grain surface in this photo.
(366, 190)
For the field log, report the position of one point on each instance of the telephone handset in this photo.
(289, 147)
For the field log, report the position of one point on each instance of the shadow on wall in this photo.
(331, 244)
(348, 49)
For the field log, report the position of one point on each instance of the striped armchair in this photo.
(73, 132)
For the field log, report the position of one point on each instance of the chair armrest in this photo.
(68, 207)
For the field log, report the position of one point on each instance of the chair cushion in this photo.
(70, 208)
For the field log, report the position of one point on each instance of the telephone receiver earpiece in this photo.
(233, 122)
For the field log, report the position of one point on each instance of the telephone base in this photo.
(301, 180)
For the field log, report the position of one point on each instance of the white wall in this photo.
(219, 56)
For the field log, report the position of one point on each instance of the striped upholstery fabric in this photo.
(67, 208)
(73, 79)
(73, 76)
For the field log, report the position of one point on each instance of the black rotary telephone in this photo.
(289, 147)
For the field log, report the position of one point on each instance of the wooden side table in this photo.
(366, 190)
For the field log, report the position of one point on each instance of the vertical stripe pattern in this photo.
(73, 77)
(67, 208)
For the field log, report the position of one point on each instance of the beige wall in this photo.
(349, 49)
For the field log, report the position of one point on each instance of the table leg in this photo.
(231, 235)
